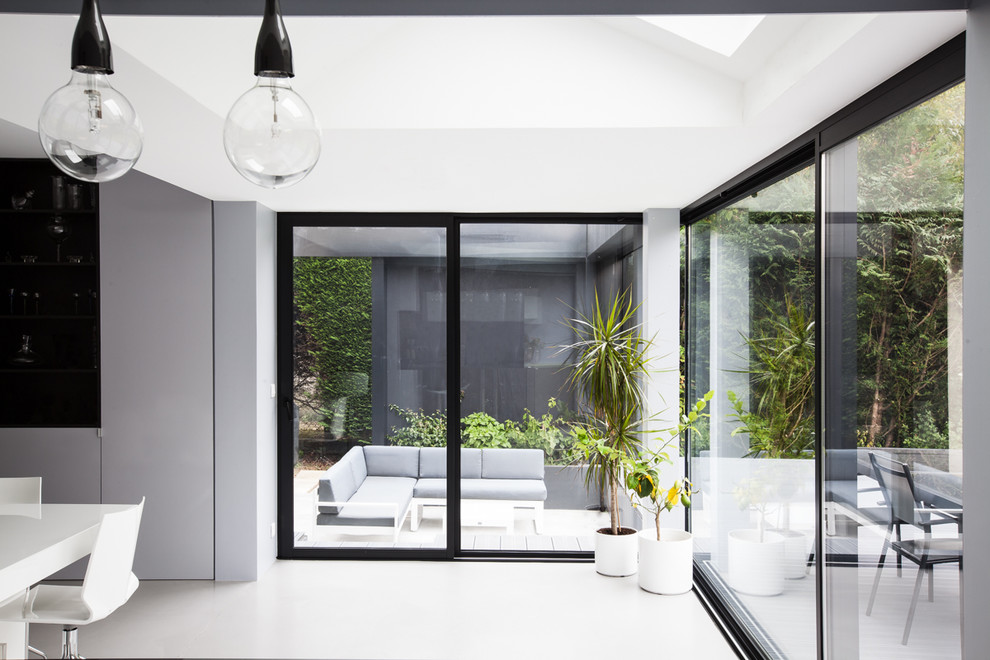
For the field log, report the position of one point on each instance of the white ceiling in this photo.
(481, 114)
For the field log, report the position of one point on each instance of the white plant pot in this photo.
(795, 554)
(666, 566)
(616, 555)
(756, 567)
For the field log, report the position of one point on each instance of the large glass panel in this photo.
(893, 211)
(520, 283)
(370, 383)
(751, 338)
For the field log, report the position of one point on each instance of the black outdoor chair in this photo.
(905, 508)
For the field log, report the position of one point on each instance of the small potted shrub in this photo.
(665, 555)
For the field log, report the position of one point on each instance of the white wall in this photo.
(976, 329)
(244, 336)
(157, 369)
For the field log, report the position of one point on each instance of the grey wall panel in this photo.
(157, 378)
(244, 326)
(267, 407)
(235, 399)
(68, 461)
(976, 327)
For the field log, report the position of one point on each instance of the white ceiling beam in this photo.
(480, 7)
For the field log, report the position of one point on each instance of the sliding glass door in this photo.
(523, 489)
(369, 384)
(829, 517)
(380, 456)
(893, 378)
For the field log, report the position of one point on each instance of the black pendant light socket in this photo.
(273, 53)
(90, 43)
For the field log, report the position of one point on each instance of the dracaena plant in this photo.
(643, 471)
(610, 363)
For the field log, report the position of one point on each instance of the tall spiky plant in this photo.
(611, 359)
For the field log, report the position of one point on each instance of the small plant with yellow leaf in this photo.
(643, 470)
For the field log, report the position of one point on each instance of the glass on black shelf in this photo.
(75, 258)
(13, 293)
(24, 302)
(37, 303)
(76, 196)
(58, 192)
(24, 356)
(58, 230)
(75, 302)
(29, 258)
(22, 201)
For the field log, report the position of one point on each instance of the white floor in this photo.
(380, 609)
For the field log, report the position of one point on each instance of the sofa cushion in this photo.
(337, 484)
(431, 488)
(471, 463)
(503, 489)
(433, 463)
(392, 494)
(485, 489)
(392, 461)
(358, 466)
(512, 463)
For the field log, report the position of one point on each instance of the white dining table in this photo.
(37, 541)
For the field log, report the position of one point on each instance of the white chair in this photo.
(108, 583)
(20, 490)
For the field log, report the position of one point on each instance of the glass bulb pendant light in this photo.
(87, 128)
(271, 136)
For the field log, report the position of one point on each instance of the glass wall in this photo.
(751, 303)
(519, 285)
(836, 365)
(893, 372)
(369, 383)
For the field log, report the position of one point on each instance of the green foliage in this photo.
(783, 382)
(421, 429)
(332, 336)
(481, 430)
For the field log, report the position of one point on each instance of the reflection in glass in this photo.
(893, 212)
(751, 327)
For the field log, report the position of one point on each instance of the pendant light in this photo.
(271, 136)
(87, 128)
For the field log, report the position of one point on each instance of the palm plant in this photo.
(611, 359)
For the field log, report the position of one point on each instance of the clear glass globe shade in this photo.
(90, 130)
(271, 136)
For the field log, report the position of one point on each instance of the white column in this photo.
(661, 314)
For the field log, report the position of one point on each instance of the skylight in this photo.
(721, 34)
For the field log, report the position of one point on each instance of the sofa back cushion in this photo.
(358, 466)
(338, 483)
(512, 463)
(433, 463)
(391, 461)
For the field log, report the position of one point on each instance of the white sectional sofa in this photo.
(372, 488)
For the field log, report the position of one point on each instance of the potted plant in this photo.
(610, 362)
(665, 556)
(781, 433)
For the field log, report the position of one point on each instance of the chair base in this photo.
(70, 642)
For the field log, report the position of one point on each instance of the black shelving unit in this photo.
(49, 292)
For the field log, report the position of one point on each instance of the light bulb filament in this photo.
(276, 128)
(95, 109)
